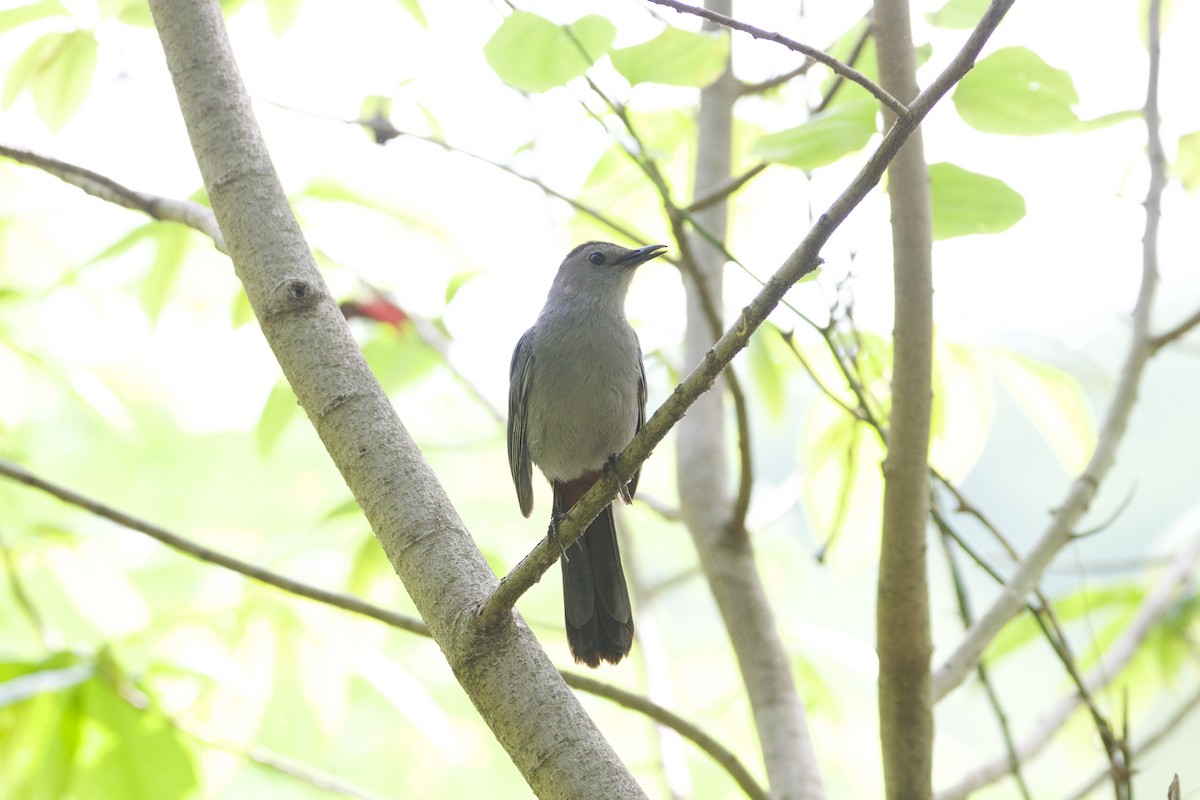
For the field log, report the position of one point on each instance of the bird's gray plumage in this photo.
(577, 395)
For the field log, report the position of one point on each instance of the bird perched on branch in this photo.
(576, 397)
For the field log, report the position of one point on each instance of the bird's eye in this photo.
(596, 258)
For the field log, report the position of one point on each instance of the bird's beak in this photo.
(642, 255)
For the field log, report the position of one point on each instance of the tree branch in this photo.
(208, 555)
(803, 260)
(812, 52)
(194, 215)
(1061, 529)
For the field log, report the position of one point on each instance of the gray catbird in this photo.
(577, 395)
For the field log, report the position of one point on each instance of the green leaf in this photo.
(824, 138)
(172, 243)
(127, 752)
(281, 14)
(399, 357)
(281, 407)
(333, 191)
(40, 740)
(1121, 600)
(413, 7)
(1014, 91)
(769, 363)
(964, 407)
(241, 312)
(958, 14)
(130, 12)
(63, 75)
(674, 57)
(142, 233)
(1105, 120)
(15, 17)
(533, 54)
(1056, 405)
(1187, 161)
(457, 282)
(966, 202)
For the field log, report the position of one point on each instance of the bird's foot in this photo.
(610, 466)
(556, 518)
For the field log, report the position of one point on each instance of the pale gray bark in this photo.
(726, 552)
(534, 716)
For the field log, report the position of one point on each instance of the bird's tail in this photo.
(595, 599)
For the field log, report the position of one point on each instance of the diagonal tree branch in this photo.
(200, 552)
(194, 215)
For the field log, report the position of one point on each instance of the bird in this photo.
(577, 396)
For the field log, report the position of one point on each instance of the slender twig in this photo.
(860, 44)
(1079, 497)
(1157, 737)
(194, 215)
(46, 636)
(803, 260)
(208, 555)
(725, 189)
(1182, 329)
(812, 52)
(964, 611)
(711, 746)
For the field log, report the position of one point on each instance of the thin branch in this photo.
(860, 44)
(812, 52)
(208, 555)
(1156, 738)
(194, 215)
(964, 611)
(719, 193)
(1061, 529)
(1182, 329)
(46, 636)
(802, 261)
(663, 716)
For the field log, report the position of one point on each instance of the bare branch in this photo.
(812, 52)
(210, 556)
(663, 716)
(194, 215)
(1179, 331)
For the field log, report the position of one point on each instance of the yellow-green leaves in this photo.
(533, 54)
(966, 202)
(674, 57)
(57, 69)
(1014, 91)
(1055, 404)
(824, 138)
(1187, 161)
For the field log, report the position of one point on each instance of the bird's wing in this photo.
(520, 376)
(641, 391)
